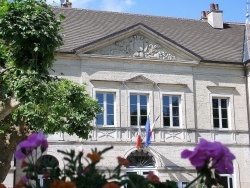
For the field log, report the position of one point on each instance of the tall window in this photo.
(106, 102)
(138, 109)
(220, 112)
(171, 111)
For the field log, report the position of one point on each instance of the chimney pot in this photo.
(66, 4)
(216, 6)
(212, 7)
(204, 15)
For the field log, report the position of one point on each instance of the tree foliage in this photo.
(31, 32)
(31, 99)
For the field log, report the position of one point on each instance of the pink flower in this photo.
(211, 153)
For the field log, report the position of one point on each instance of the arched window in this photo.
(141, 163)
(46, 163)
(141, 159)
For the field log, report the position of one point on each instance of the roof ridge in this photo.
(147, 15)
(127, 13)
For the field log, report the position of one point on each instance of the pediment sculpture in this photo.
(139, 47)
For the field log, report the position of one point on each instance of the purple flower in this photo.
(24, 179)
(19, 154)
(34, 141)
(38, 139)
(210, 153)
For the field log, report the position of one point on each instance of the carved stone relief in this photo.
(173, 135)
(137, 46)
(106, 134)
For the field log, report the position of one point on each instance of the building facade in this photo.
(188, 77)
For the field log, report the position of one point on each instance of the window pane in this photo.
(99, 119)
(216, 113)
(143, 99)
(166, 100)
(110, 119)
(215, 103)
(133, 110)
(133, 99)
(224, 123)
(175, 111)
(110, 98)
(143, 110)
(216, 123)
(166, 121)
(143, 120)
(224, 113)
(133, 120)
(223, 181)
(99, 97)
(175, 101)
(231, 182)
(166, 111)
(175, 121)
(223, 103)
(110, 109)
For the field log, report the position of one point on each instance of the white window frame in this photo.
(182, 184)
(41, 179)
(171, 110)
(220, 115)
(105, 110)
(138, 104)
(228, 179)
(220, 112)
(222, 93)
(141, 171)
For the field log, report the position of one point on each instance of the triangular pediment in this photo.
(138, 42)
(140, 79)
(138, 46)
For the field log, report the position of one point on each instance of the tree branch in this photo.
(8, 106)
(4, 70)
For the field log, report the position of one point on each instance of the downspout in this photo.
(247, 98)
(195, 101)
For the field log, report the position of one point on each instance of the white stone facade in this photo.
(179, 74)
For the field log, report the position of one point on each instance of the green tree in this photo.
(31, 99)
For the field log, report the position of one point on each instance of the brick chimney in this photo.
(215, 16)
(66, 4)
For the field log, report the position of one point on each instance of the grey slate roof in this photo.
(83, 27)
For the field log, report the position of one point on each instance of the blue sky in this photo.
(233, 10)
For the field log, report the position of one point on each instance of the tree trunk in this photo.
(8, 106)
(8, 143)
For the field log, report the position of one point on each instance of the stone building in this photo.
(192, 74)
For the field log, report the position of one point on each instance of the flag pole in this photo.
(154, 123)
